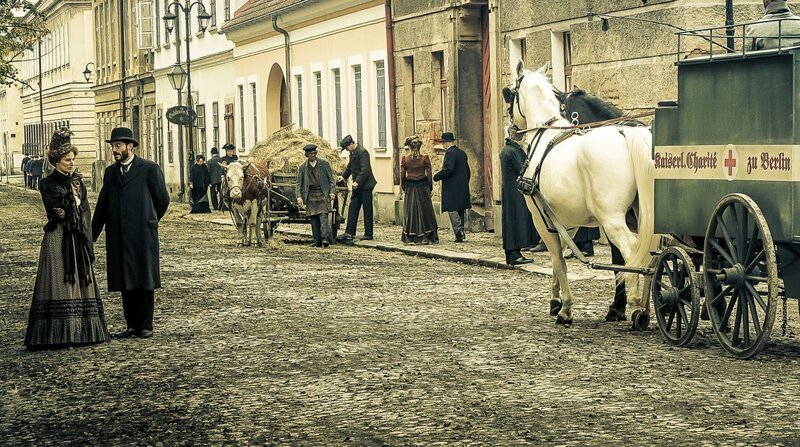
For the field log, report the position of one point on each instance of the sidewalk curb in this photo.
(425, 251)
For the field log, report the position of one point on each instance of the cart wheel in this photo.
(740, 276)
(676, 296)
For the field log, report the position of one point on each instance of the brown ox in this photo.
(244, 189)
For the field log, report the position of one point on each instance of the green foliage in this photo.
(21, 24)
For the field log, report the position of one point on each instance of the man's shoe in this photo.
(539, 248)
(127, 333)
(145, 334)
(325, 244)
(460, 239)
(520, 261)
(365, 238)
(346, 237)
(316, 244)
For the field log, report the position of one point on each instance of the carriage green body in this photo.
(750, 102)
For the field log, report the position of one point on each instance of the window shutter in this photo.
(145, 24)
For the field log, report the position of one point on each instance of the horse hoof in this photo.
(563, 321)
(640, 320)
(615, 315)
(555, 307)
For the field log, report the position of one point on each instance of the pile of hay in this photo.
(283, 150)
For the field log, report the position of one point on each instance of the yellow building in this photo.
(321, 65)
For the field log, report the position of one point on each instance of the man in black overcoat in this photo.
(36, 167)
(131, 202)
(454, 176)
(215, 172)
(25, 161)
(360, 167)
(518, 229)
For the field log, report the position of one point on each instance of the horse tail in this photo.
(639, 142)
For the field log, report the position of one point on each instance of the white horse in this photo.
(244, 191)
(588, 180)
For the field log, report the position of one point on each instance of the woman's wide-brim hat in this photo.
(122, 134)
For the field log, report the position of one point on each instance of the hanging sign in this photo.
(181, 115)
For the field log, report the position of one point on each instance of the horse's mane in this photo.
(597, 104)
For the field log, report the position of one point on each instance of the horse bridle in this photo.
(246, 181)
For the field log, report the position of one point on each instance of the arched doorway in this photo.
(278, 114)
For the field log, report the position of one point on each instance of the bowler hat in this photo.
(310, 148)
(346, 141)
(214, 150)
(122, 134)
(448, 136)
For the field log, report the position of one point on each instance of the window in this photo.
(215, 122)
(227, 6)
(157, 23)
(241, 115)
(409, 103)
(299, 83)
(318, 82)
(229, 138)
(255, 112)
(337, 92)
(380, 88)
(359, 103)
(212, 9)
(439, 75)
(170, 154)
(201, 127)
(567, 62)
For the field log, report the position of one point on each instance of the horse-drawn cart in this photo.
(725, 184)
(281, 204)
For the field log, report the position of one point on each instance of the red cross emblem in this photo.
(730, 163)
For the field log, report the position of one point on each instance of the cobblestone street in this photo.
(355, 346)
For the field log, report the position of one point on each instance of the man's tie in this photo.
(125, 168)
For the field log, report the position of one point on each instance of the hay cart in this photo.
(727, 183)
(281, 204)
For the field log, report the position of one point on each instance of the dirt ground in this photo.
(289, 345)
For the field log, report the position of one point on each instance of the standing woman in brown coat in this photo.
(416, 180)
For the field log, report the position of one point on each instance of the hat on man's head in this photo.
(310, 148)
(122, 134)
(229, 147)
(346, 141)
(214, 150)
(447, 137)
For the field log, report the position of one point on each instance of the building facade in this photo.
(64, 97)
(320, 65)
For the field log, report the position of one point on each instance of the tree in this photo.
(21, 24)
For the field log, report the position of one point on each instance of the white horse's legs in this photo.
(619, 234)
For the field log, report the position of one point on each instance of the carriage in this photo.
(726, 188)
(281, 204)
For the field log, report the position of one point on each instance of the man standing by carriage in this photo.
(315, 189)
(777, 21)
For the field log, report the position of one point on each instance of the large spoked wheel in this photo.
(740, 275)
(676, 296)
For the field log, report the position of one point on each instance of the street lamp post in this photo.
(203, 19)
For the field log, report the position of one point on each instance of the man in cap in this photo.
(315, 189)
(778, 20)
(25, 160)
(454, 176)
(216, 174)
(131, 202)
(364, 182)
(230, 154)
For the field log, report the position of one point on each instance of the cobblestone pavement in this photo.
(351, 346)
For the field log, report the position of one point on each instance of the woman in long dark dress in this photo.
(416, 180)
(199, 181)
(66, 309)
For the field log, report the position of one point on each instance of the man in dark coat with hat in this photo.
(25, 161)
(364, 182)
(131, 202)
(230, 157)
(215, 172)
(518, 229)
(454, 176)
(315, 189)
(36, 171)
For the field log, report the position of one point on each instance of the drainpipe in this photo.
(287, 73)
(392, 93)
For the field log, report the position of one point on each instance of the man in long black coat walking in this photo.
(518, 229)
(131, 202)
(454, 176)
(215, 172)
(24, 167)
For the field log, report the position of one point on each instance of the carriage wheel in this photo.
(740, 274)
(676, 296)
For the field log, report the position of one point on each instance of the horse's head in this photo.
(234, 179)
(536, 99)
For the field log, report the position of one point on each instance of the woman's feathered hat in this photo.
(60, 145)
